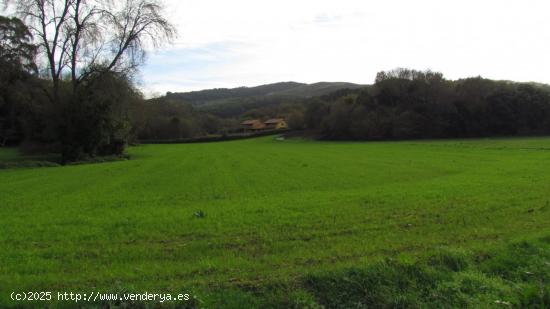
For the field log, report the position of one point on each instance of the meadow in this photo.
(284, 222)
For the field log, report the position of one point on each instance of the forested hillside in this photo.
(283, 89)
(404, 104)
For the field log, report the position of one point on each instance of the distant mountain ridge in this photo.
(282, 89)
(318, 89)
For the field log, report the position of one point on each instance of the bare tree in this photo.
(84, 37)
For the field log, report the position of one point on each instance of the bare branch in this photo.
(94, 36)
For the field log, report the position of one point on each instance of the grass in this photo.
(255, 222)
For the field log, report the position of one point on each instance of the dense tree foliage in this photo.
(17, 55)
(164, 119)
(88, 51)
(405, 104)
(205, 96)
(96, 119)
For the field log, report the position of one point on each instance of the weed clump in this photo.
(516, 276)
(199, 214)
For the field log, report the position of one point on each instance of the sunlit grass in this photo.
(257, 212)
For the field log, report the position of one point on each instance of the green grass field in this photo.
(274, 212)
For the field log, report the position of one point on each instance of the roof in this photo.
(254, 124)
(250, 122)
(274, 121)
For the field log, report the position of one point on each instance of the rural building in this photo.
(276, 124)
(253, 125)
(256, 125)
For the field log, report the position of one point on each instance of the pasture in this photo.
(241, 216)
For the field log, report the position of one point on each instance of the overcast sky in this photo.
(246, 43)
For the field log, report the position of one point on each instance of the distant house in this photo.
(254, 125)
(276, 124)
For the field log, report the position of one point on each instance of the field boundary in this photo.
(214, 138)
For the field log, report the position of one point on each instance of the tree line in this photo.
(406, 104)
(67, 86)
(68, 83)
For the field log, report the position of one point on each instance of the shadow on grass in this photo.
(12, 159)
(517, 276)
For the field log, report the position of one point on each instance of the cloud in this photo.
(326, 19)
(192, 67)
(244, 42)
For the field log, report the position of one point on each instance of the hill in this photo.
(209, 95)
(283, 89)
(234, 102)
(317, 89)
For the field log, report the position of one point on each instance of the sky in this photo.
(246, 43)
